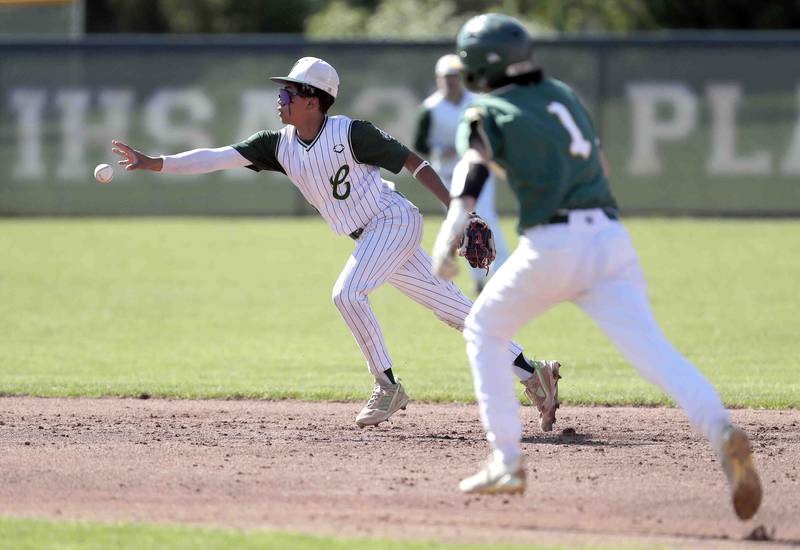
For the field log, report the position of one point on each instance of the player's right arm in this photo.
(258, 152)
(196, 161)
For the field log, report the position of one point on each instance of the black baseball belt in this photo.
(356, 234)
(562, 216)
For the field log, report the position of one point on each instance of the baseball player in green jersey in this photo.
(436, 136)
(572, 248)
(335, 163)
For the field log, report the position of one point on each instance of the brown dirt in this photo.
(625, 475)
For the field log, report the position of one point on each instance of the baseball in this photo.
(103, 173)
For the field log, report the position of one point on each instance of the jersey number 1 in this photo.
(580, 146)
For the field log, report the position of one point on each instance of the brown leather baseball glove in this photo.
(477, 244)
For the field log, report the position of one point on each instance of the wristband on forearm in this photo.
(422, 165)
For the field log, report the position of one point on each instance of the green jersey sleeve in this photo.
(477, 123)
(371, 145)
(422, 143)
(261, 149)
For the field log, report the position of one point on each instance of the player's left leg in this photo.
(619, 305)
(616, 299)
(624, 314)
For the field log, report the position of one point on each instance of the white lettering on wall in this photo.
(649, 129)
(28, 103)
(77, 132)
(174, 118)
(663, 115)
(723, 100)
(791, 163)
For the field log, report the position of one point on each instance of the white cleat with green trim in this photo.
(387, 399)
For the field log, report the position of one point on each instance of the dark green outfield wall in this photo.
(691, 124)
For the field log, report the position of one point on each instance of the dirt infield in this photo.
(632, 475)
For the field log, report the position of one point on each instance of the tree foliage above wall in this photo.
(410, 19)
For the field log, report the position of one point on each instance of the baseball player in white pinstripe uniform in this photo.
(335, 163)
(435, 135)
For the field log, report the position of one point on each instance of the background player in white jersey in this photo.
(572, 248)
(335, 162)
(436, 136)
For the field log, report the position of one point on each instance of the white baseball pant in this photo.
(591, 262)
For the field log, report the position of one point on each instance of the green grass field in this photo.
(233, 308)
(35, 534)
(241, 307)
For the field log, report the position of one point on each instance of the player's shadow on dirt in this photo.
(565, 437)
(569, 436)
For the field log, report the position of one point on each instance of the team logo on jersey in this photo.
(338, 148)
(340, 179)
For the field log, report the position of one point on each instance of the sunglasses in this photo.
(285, 95)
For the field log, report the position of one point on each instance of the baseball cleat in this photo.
(496, 478)
(542, 390)
(386, 400)
(736, 456)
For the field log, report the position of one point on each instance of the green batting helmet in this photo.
(493, 47)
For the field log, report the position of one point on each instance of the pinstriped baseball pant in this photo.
(389, 251)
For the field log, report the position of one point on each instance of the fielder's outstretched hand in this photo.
(133, 159)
